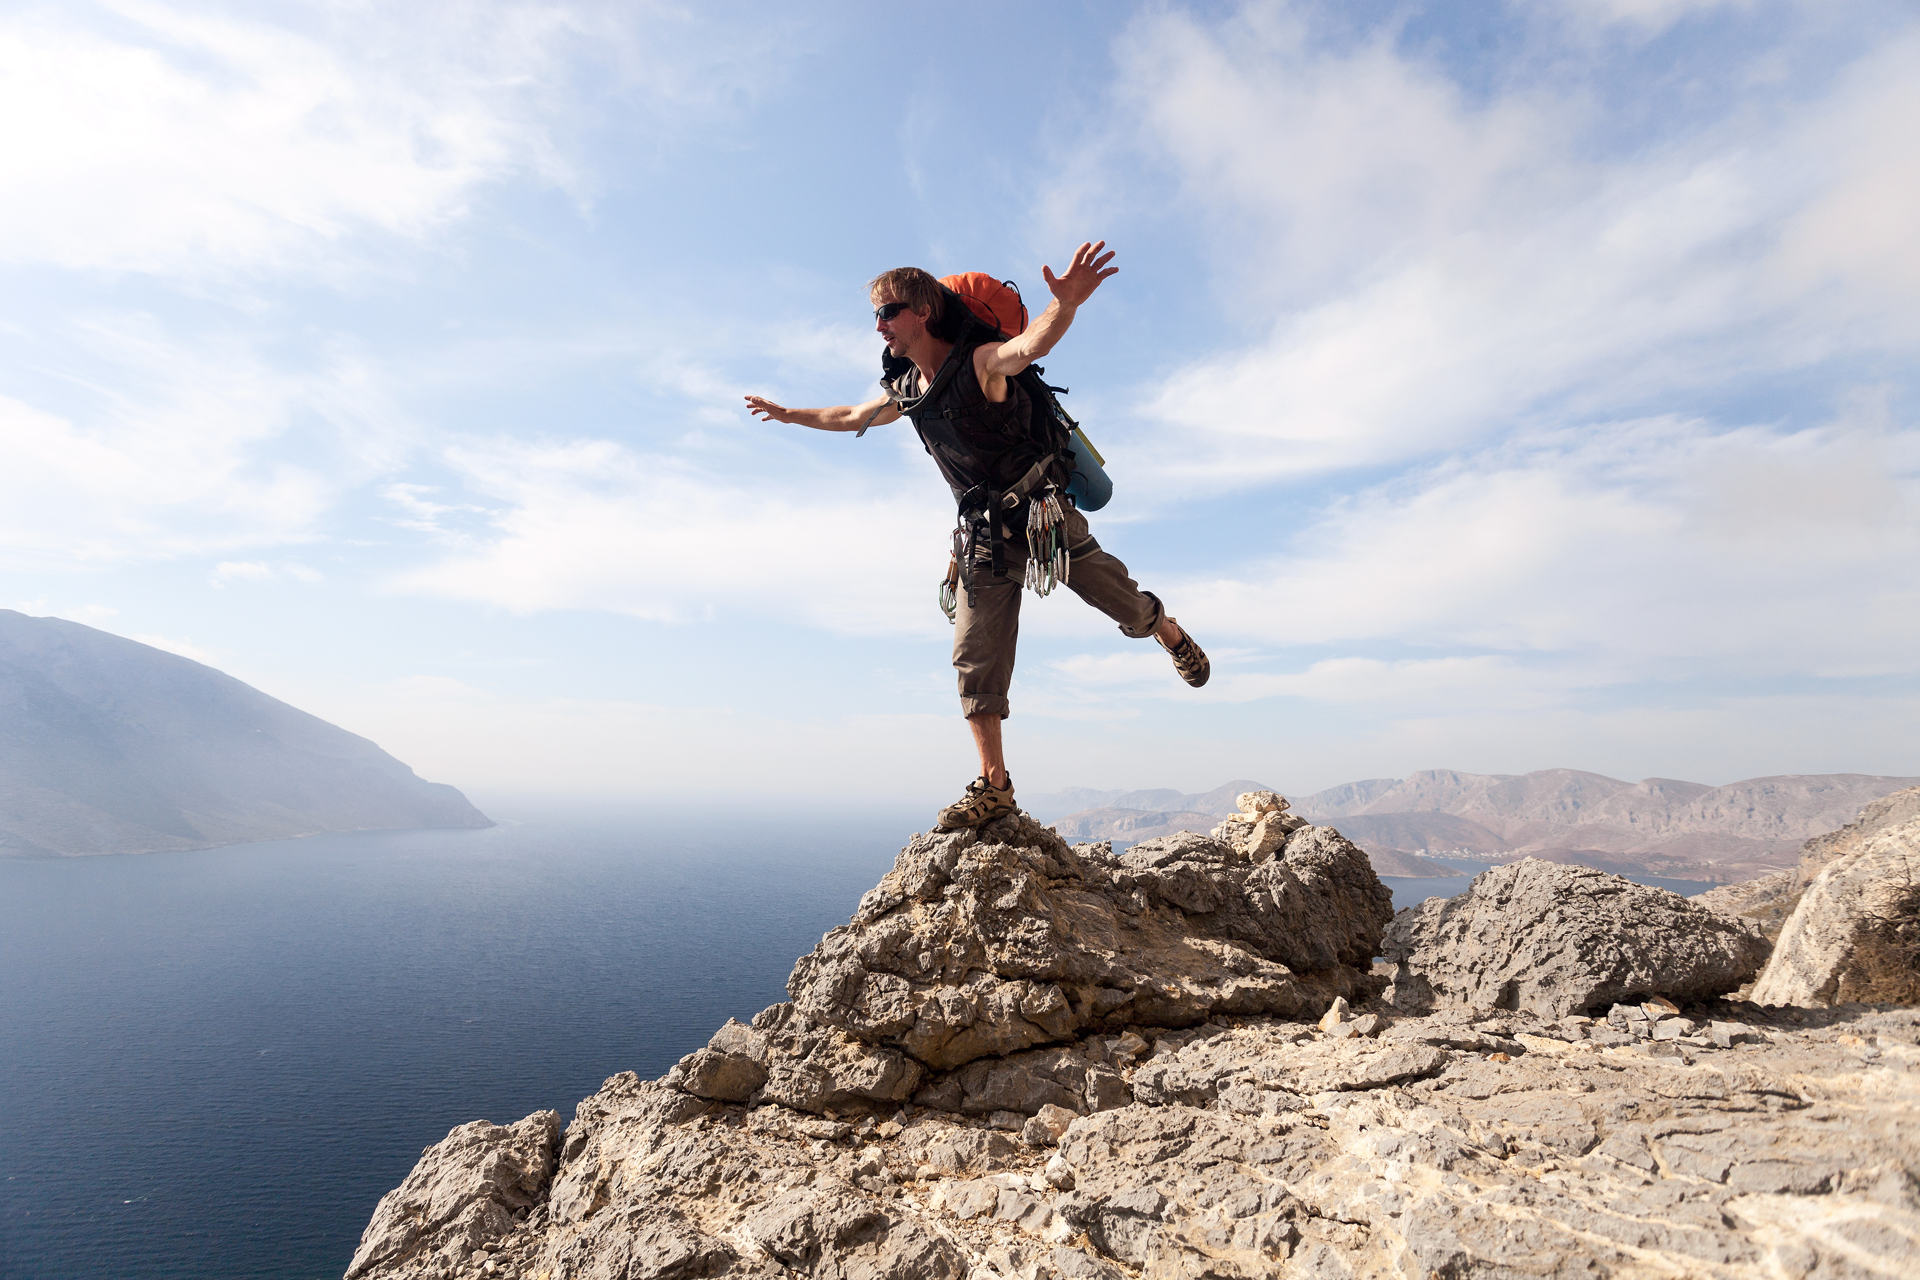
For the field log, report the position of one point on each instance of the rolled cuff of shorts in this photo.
(1154, 620)
(984, 704)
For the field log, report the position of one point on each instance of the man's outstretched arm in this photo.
(1071, 288)
(840, 417)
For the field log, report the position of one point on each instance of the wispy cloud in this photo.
(1662, 543)
(167, 444)
(1445, 265)
(591, 524)
(243, 145)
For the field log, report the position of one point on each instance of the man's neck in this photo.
(928, 355)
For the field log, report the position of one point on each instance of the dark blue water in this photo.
(214, 1064)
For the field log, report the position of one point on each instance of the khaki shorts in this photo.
(986, 630)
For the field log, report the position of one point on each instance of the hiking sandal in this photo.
(982, 804)
(1188, 659)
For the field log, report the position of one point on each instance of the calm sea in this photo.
(213, 1064)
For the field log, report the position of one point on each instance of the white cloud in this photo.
(167, 444)
(1443, 266)
(1648, 546)
(593, 525)
(242, 144)
(239, 572)
(187, 141)
(1648, 17)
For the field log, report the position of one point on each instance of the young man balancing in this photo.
(958, 387)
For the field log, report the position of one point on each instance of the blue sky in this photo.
(1488, 386)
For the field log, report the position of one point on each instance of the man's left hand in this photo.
(1078, 282)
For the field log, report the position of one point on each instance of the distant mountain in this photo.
(110, 746)
(1658, 826)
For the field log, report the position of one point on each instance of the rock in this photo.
(1239, 1145)
(1770, 900)
(1728, 1034)
(1855, 935)
(1553, 940)
(732, 1068)
(1046, 1125)
(784, 1058)
(468, 1190)
(1255, 803)
(984, 943)
(1767, 901)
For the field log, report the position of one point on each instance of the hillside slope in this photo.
(111, 746)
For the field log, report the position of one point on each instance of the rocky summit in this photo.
(1027, 1059)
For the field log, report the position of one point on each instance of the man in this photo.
(961, 394)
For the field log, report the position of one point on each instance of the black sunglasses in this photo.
(888, 310)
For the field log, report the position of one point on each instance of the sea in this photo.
(213, 1064)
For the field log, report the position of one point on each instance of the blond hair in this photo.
(919, 290)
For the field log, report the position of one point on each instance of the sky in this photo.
(1487, 386)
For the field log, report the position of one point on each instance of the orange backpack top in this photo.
(995, 303)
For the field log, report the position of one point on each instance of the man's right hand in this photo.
(767, 411)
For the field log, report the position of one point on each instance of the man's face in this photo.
(896, 323)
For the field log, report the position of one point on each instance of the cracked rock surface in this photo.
(1444, 1146)
(1033, 1062)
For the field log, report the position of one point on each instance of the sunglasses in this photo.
(887, 311)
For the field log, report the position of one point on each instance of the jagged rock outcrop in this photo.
(467, 1192)
(840, 1135)
(1855, 933)
(991, 942)
(1556, 940)
(1769, 900)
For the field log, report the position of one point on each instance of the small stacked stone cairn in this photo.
(1261, 827)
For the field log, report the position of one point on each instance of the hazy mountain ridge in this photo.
(1657, 826)
(111, 746)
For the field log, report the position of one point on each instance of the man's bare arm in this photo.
(841, 417)
(1087, 272)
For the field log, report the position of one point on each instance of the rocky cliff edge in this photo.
(1024, 1059)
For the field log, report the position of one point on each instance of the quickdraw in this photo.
(950, 588)
(1047, 561)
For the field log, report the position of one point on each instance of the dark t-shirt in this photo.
(973, 440)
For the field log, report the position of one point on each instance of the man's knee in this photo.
(991, 705)
(1154, 617)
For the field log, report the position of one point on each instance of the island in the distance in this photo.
(112, 746)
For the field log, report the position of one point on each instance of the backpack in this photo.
(992, 310)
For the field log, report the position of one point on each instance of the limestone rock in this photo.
(1726, 1140)
(1554, 940)
(1769, 900)
(1263, 1149)
(469, 1190)
(785, 1058)
(989, 942)
(1260, 802)
(1855, 935)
